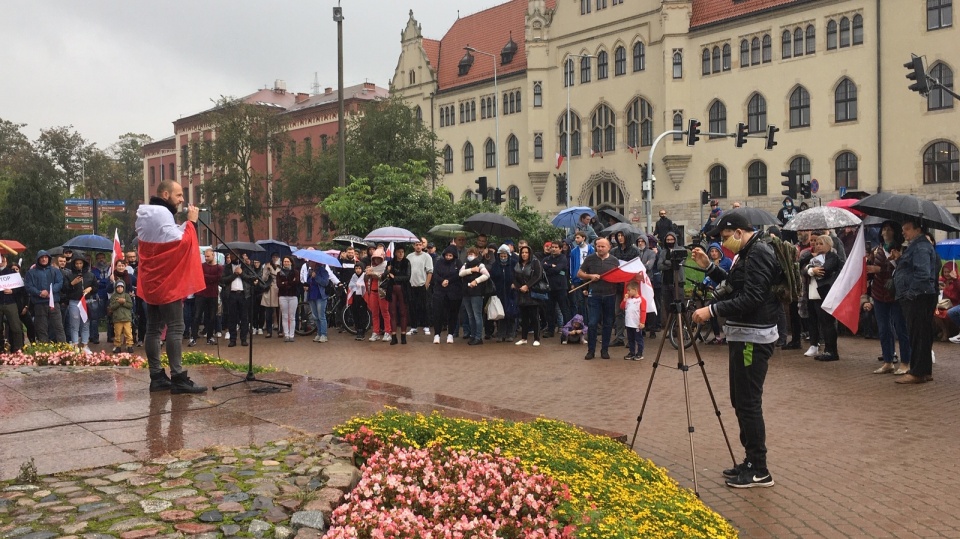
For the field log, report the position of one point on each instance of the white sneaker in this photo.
(426, 331)
(412, 331)
(259, 331)
(520, 342)
(449, 339)
(436, 339)
(955, 339)
(323, 338)
(536, 343)
(386, 337)
(374, 338)
(228, 336)
(812, 351)
(933, 356)
(87, 350)
(219, 334)
(317, 339)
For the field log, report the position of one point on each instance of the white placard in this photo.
(11, 281)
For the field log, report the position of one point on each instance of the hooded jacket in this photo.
(73, 292)
(787, 212)
(665, 265)
(576, 258)
(40, 278)
(724, 264)
(568, 327)
(628, 249)
(447, 270)
(121, 312)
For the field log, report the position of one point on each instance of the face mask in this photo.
(733, 243)
(471, 258)
(287, 267)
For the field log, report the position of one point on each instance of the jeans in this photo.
(79, 330)
(474, 306)
(189, 313)
(445, 312)
(748, 370)
(288, 315)
(635, 341)
(954, 314)
(602, 309)
(892, 326)
(919, 315)
(237, 316)
(319, 309)
(170, 315)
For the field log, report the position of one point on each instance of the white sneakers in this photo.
(536, 343)
(449, 339)
(812, 351)
(259, 332)
(374, 338)
(426, 331)
(521, 342)
(412, 331)
(436, 339)
(323, 338)
(317, 339)
(386, 337)
(955, 339)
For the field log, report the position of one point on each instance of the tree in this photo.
(242, 131)
(389, 133)
(15, 147)
(127, 154)
(33, 209)
(65, 150)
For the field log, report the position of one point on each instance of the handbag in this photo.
(540, 290)
(495, 309)
(945, 304)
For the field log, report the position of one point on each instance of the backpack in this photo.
(789, 288)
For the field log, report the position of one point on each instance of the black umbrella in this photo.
(492, 224)
(273, 246)
(903, 207)
(239, 246)
(626, 228)
(90, 242)
(56, 251)
(754, 216)
(610, 212)
(859, 195)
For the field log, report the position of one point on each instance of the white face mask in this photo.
(471, 258)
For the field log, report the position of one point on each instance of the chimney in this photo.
(301, 97)
(280, 86)
(369, 86)
(327, 91)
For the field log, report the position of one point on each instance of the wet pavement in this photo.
(853, 454)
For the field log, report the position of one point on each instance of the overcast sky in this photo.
(110, 67)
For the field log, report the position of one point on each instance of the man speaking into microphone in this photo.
(169, 271)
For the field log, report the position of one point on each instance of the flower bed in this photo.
(612, 492)
(63, 354)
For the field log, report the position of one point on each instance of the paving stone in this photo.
(265, 489)
(176, 515)
(97, 536)
(67, 489)
(96, 472)
(205, 485)
(85, 499)
(246, 473)
(307, 519)
(61, 484)
(271, 463)
(175, 483)
(189, 500)
(236, 497)
(282, 532)
(173, 494)
(173, 474)
(258, 527)
(40, 535)
(62, 508)
(229, 460)
(206, 476)
(180, 465)
(120, 476)
(87, 507)
(53, 520)
(29, 517)
(142, 480)
(130, 466)
(96, 482)
(41, 494)
(17, 532)
(207, 535)
(230, 529)
(262, 502)
(230, 507)
(197, 507)
(211, 516)
(151, 505)
(150, 470)
(110, 514)
(307, 533)
(133, 523)
(290, 504)
(140, 534)
(76, 527)
(276, 515)
(111, 489)
(164, 460)
(127, 497)
(246, 515)
(25, 502)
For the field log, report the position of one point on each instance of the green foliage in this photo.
(65, 150)
(28, 473)
(32, 210)
(535, 227)
(200, 358)
(388, 133)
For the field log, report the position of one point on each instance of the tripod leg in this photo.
(653, 372)
(682, 365)
(713, 399)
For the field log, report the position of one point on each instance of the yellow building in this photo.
(828, 73)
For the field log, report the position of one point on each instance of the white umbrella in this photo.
(822, 218)
(392, 233)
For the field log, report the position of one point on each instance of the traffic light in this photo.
(917, 72)
(497, 196)
(693, 132)
(958, 196)
(741, 134)
(704, 197)
(771, 131)
(561, 189)
(482, 189)
(805, 189)
(790, 183)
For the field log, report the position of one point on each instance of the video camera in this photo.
(677, 254)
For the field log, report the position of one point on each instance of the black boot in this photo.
(159, 381)
(403, 338)
(393, 339)
(183, 384)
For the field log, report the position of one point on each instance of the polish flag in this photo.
(350, 298)
(843, 300)
(389, 253)
(594, 152)
(84, 313)
(636, 154)
(559, 160)
(52, 304)
(634, 270)
(169, 268)
(117, 250)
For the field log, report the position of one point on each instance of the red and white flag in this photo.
(117, 250)
(559, 160)
(636, 154)
(634, 270)
(596, 152)
(84, 313)
(169, 268)
(390, 249)
(52, 304)
(843, 300)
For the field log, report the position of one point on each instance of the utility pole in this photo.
(341, 133)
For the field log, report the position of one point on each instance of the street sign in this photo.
(104, 203)
(79, 220)
(70, 226)
(113, 209)
(814, 186)
(78, 202)
(843, 191)
(78, 213)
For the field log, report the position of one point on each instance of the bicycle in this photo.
(339, 315)
(700, 297)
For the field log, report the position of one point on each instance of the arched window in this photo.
(517, 96)
(705, 69)
(801, 165)
(603, 125)
(938, 98)
(811, 39)
(584, 70)
(538, 147)
(473, 111)
(798, 42)
(846, 170)
(639, 57)
(490, 150)
(513, 102)
(607, 194)
(718, 117)
(744, 53)
(483, 108)
(603, 66)
(413, 77)
(639, 123)
(755, 51)
(678, 125)
(716, 59)
(767, 49)
(726, 57)
(757, 114)
(620, 61)
(845, 98)
(513, 197)
(786, 44)
(491, 107)
(568, 73)
(831, 35)
(800, 108)
(677, 64)
(467, 195)
(463, 118)
(858, 30)
(574, 135)
(844, 32)
(419, 113)
(718, 181)
(448, 160)
(467, 157)
(757, 179)
(941, 163)
(513, 150)
(537, 95)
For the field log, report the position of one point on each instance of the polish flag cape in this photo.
(843, 300)
(169, 267)
(634, 270)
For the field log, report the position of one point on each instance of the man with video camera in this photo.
(751, 309)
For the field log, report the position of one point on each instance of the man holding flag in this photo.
(601, 304)
(168, 272)
(43, 284)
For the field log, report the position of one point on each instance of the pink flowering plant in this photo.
(436, 492)
(66, 355)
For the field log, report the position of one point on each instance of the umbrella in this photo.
(56, 251)
(570, 217)
(754, 216)
(90, 242)
(855, 195)
(492, 224)
(847, 204)
(239, 246)
(902, 207)
(822, 218)
(610, 212)
(873, 220)
(949, 249)
(392, 233)
(319, 257)
(450, 231)
(275, 246)
(621, 227)
(350, 239)
(12, 246)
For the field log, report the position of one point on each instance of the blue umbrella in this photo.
(272, 246)
(570, 217)
(90, 242)
(319, 257)
(949, 249)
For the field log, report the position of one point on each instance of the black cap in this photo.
(430, 245)
(730, 221)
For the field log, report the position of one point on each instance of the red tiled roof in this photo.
(432, 48)
(707, 12)
(487, 31)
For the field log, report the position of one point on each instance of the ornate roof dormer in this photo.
(465, 64)
(508, 51)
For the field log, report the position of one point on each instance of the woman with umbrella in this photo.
(883, 301)
(823, 268)
(501, 272)
(525, 275)
(916, 284)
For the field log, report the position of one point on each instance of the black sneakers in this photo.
(604, 354)
(748, 476)
(159, 381)
(588, 356)
(181, 383)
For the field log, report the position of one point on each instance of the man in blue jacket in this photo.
(41, 280)
(579, 252)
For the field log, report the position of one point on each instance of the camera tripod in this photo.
(676, 309)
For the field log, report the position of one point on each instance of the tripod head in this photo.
(677, 256)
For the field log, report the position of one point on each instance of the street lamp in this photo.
(568, 84)
(496, 107)
(341, 126)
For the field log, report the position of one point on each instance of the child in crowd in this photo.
(120, 308)
(574, 331)
(358, 307)
(634, 308)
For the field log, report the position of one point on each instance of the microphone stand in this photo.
(250, 377)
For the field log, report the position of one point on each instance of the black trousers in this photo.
(795, 325)
(530, 321)
(826, 327)
(557, 299)
(748, 370)
(445, 312)
(205, 311)
(919, 315)
(419, 316)
(237, 315)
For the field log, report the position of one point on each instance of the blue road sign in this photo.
(112, 203)
(78, 202)
(814, 186)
